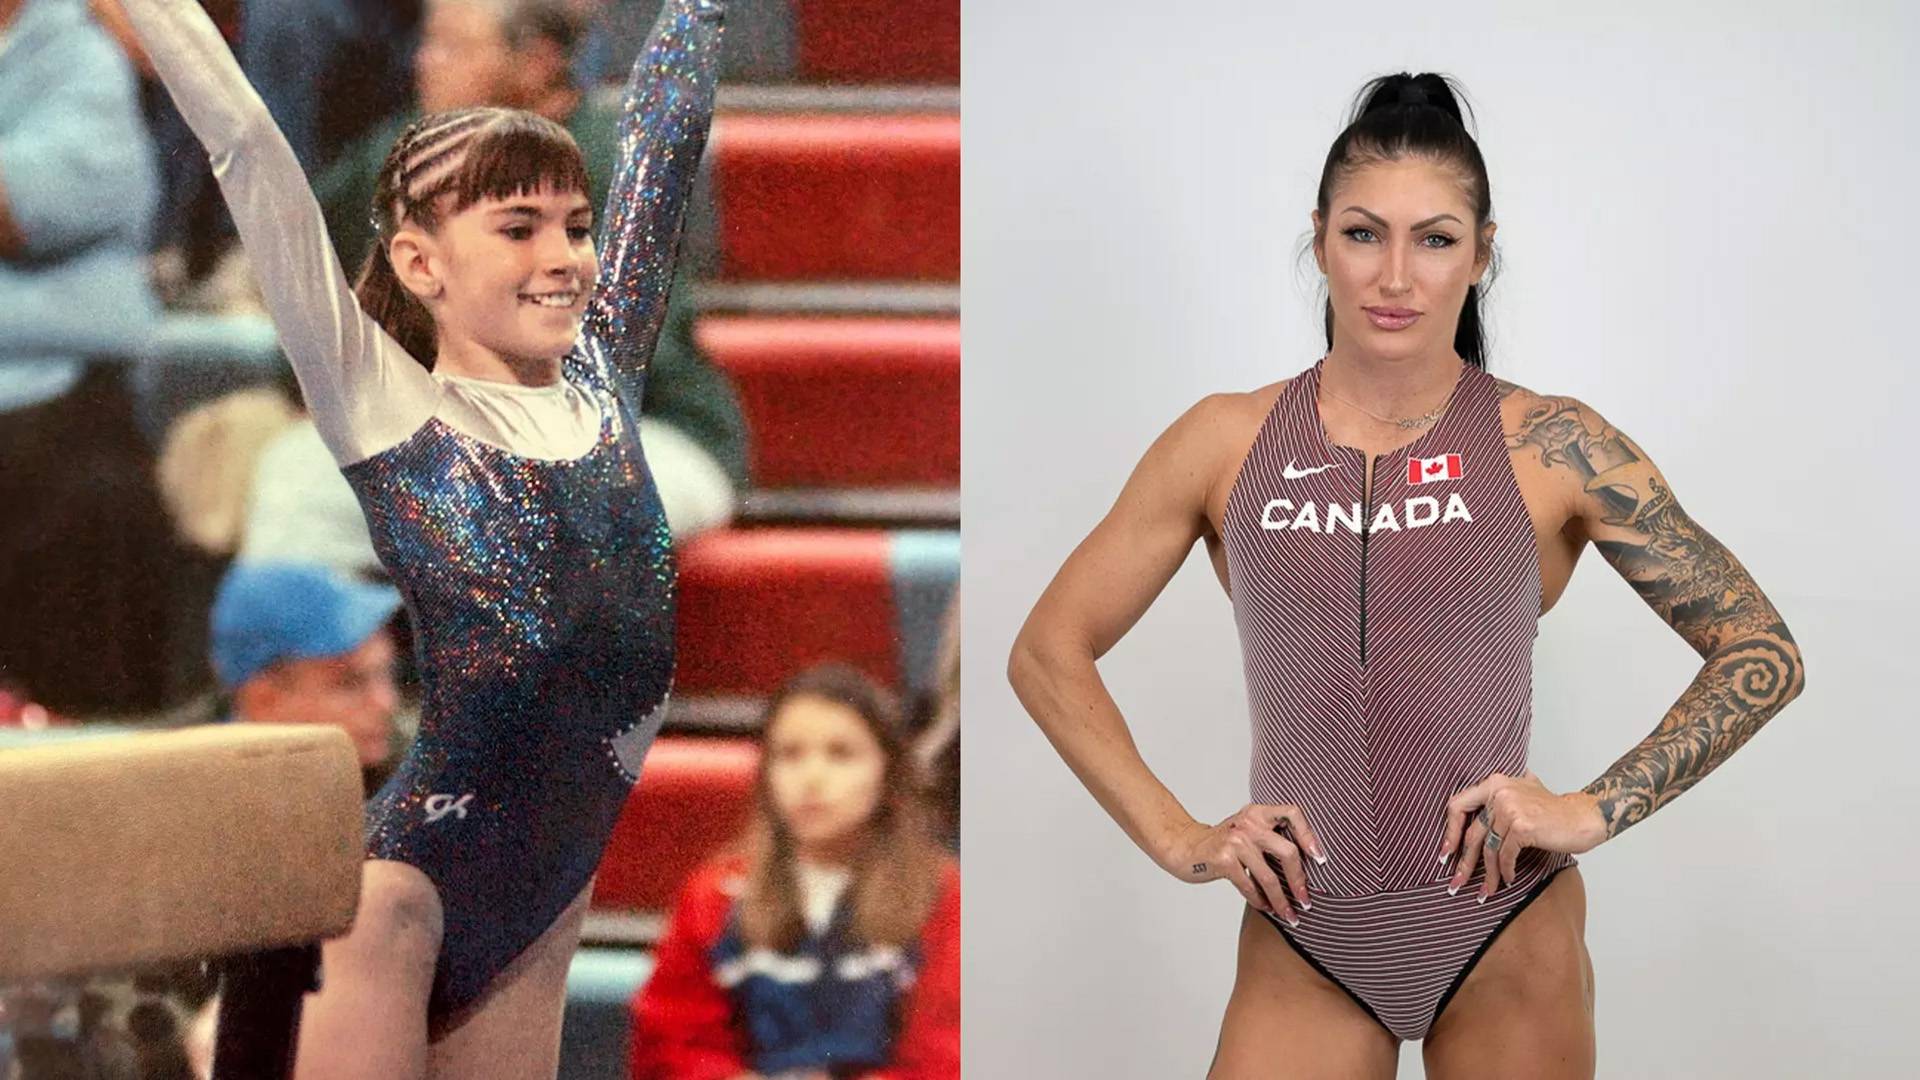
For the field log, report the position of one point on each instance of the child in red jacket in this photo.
(828, 946)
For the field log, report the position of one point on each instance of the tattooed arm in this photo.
(1752, 667)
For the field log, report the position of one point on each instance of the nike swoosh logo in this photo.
(1292, 473)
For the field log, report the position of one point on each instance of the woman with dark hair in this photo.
(827, 944)
(480, 389)
(1389, 525)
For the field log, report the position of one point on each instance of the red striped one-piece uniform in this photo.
(1387, 637)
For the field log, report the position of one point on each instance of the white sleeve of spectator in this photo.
(365, 393)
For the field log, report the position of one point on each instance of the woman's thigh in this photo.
(1526, 1009)
(1286, 1021)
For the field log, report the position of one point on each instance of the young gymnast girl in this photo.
(480, 388)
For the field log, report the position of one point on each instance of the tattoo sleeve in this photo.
(1751, 666)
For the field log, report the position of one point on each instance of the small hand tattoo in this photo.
(1199, 868)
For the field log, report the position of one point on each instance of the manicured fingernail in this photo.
(1295, 923)
(1453, 888)
(1482, 900)
(1319, 854)
(1306, 905)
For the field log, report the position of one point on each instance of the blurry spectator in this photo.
(300, 508)
(327, 70)
(513, 54)
(130, 1026)
(508, 53)
(207, 464)
(301, 644)
(761, 44)
(86, 555)
(593, 62)
(830, 945)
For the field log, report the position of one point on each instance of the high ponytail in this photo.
(1400, 116)
(441, 164)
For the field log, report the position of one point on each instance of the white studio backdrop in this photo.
(1707, 227)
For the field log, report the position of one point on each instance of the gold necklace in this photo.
(1408, 422)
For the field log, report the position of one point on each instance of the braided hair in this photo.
(440, 165)
(1400, 116)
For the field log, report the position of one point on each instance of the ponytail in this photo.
(1401, 116)
(398, 311)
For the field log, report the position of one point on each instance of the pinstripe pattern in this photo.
(1372, 751)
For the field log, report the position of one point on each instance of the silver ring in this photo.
(1493, 838)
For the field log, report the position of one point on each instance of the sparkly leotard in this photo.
(1388, 643)
(521, 526)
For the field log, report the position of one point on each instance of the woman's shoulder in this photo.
(1523, 409)
(1210, 429)
(1257, 401)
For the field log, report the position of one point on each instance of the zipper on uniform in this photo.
(1366, 518)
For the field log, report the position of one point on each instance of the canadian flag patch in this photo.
(1426, 470)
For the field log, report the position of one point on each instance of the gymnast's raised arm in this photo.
(364, 392)
(667, 109)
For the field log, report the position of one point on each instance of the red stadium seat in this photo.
(757, 605)
(837, 197)
(879, 41)
(844, 402)
(694, 795)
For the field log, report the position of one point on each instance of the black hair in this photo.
(1399, 116)
(464, 155)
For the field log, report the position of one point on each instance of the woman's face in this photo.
(825, 772)
(514, 274)
(1400, 236)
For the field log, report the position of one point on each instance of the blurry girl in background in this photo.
(827, 944)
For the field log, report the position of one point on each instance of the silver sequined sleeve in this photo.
(667, 109)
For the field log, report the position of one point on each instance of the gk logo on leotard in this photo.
(439, 806)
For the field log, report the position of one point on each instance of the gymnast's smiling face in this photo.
(1400, 235)
(825, 773)
(508, 276)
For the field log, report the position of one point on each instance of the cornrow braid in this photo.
(432, 142)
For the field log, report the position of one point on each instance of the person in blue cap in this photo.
(303, 643)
